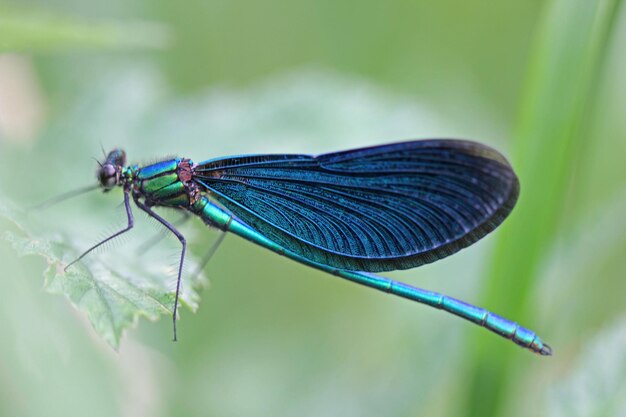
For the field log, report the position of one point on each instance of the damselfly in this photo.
(349, 213)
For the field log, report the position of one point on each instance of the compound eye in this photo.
(108, 176)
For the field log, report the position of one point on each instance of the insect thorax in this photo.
(166, 183)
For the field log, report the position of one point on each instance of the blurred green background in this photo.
(542, 81)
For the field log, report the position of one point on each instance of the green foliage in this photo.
(33, 30)
(570, 48)
(113, 291)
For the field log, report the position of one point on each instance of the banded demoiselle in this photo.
(349, 213)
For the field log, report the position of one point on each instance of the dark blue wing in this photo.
(374, 209)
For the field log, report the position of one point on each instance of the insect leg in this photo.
(150, 243)
(131, 223)
(207, 257)
(183, 242)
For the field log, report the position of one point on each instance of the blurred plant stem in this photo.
(569, 50)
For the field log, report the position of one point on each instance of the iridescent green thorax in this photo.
(166, 183)
(128, 174)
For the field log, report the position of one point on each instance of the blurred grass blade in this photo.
(30, 30)
(569, 49)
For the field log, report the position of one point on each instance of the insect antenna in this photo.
(65, 196)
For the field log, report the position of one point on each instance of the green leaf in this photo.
(35, 30)
(114, 290)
